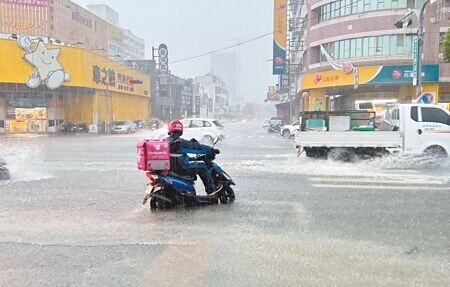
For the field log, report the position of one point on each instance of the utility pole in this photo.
(417, 57)
(420, 40)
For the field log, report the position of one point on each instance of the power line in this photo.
(260, 36)
(222, 49)
(305, 21)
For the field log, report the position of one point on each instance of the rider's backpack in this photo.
(153, 155)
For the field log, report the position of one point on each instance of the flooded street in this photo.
(71, 215)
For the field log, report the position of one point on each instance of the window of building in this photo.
(371, 46)
(380, 4)
(348, 7)
(354, 6)
(379, 46)
(346, 49)
(336, 50)
(400, 47)
(386, 45)
(358, 47)
(394, 4)
(367, 5)
(434, 115)
(353, 48)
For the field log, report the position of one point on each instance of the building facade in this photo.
(63, 21)
(105, 12)
(355, 52)
(44, 85)
(133, 46)
(213, 96)
(226, 65)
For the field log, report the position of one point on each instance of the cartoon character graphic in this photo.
(48, 68)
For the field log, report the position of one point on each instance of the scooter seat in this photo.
(182, 177)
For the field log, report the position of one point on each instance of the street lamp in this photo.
(404, 23)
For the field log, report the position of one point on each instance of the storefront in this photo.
(42, 86)
(339, 90)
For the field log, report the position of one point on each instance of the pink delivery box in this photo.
(153, 155)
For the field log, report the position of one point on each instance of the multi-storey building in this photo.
(214, 97)
(133, 46)
(78, 84)
(60, 21)
(63, 21)
(122, 43)
(355, 52)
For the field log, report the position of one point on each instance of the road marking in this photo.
(180, 265)
(374, 181)
(382, 187)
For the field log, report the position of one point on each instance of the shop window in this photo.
(434, 115)
(51, 123)
(2, 124)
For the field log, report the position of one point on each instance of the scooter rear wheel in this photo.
(227, 196)
(158, 203)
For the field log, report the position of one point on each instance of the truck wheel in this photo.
(436, 151)
(342, 154)
(286, 134)
(309, 152)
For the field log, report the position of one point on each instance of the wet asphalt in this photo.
(72, 216)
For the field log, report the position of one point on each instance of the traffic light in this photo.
(405, 21)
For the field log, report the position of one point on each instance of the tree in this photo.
(446, 43)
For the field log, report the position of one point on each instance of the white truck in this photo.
(412, 129)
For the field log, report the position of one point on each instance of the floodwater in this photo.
(72, 215)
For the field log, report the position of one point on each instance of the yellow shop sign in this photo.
(334, 78)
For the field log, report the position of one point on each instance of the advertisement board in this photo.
(79, 67)
(279, 37)
(397, 74)
(43, 3)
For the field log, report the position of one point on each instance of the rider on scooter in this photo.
(177, 143)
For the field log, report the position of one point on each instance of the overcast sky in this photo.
(191, 27)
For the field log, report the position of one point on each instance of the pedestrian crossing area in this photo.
(394, 181)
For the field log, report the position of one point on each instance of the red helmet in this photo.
(175, 126)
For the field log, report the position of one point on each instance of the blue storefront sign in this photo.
(404, 74)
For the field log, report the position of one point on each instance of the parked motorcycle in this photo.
(167, 189)
(275, 128)
(4, 172)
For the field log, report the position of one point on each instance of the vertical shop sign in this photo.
(279, 37)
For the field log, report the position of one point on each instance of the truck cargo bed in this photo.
(386, 139)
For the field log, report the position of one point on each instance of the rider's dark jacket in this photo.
(177, 144)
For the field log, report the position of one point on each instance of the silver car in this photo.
(123, 127)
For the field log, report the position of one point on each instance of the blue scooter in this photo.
(171, 190)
